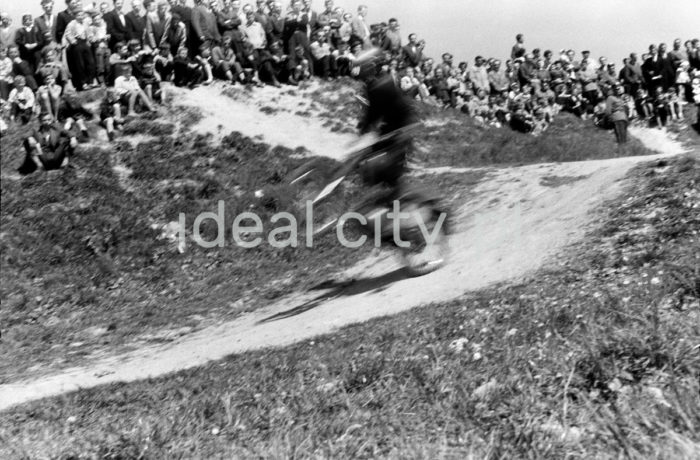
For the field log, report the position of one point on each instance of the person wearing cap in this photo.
(46, 23)
(616, 112)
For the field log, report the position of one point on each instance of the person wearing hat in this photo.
(616, 113)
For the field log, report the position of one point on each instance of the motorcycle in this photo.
(419, 236)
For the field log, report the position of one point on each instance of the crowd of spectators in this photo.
(49, 59)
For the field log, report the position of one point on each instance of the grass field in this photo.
(595, 358)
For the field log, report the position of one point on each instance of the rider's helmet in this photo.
(368, 63)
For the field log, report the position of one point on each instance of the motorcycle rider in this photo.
(391, 113)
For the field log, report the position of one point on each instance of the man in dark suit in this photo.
(46, 23)
(412, 53)
(667, 69)
(136, 21)
(63, 18)
(115, 21)
(48, 147)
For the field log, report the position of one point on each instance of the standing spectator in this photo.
(46, 23)
(180, 8)
(115, 21)
(81, 63)
(47, 148)
(518, 49)
(678, 54)
(360, 29)
(616, 112)
(175, 36)
(204, 24)
(136, 21)
(5, 73)
(666, 67)
(651, 70)
(64, 18)
(30, 41)
(392, 38)
(157, 23)
(7, 32)
(498, 81)
(588, 76)
(631, 75)
(99, 42)
(412, 54)
(479, 76)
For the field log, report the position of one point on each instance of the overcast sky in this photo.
(465, 28)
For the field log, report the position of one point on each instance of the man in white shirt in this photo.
(360, 28)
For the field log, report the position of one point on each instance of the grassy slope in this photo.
(595, 358)
(83, 270)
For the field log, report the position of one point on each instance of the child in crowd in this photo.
(660, 107)
(21, 101)
(186, 72)
(521, 120)
(52, 65)
(631, 109)
(111, 113)
(130, 93)
(644, 104)
(539, 122)
(99, 39)
(149, 80)
(163, 63)
(49, 95)
(204, 59)
(673, 103)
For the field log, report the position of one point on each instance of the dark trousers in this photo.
(50, 160)
(81, 64)
(620, 127)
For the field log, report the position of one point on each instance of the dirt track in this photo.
(519, 218)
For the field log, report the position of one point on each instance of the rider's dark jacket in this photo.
(388, 105)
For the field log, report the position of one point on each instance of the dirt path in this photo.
(518, 219)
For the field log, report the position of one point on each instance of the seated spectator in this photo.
(409, 83)
(52, 65)
(129, 92)
(298, 66)
(111, 113)
(539, 121)
(163, 62)
(545, 92)
(21, 101)
(324, 61)
(225, 62)
(21, 67)
(204, 60)
(186, 72)
(644, 104)
(47, 148)
(149, 81)
(521, 120)
(30, 41)
(49, 95)
(674, 104)
(497, 79)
